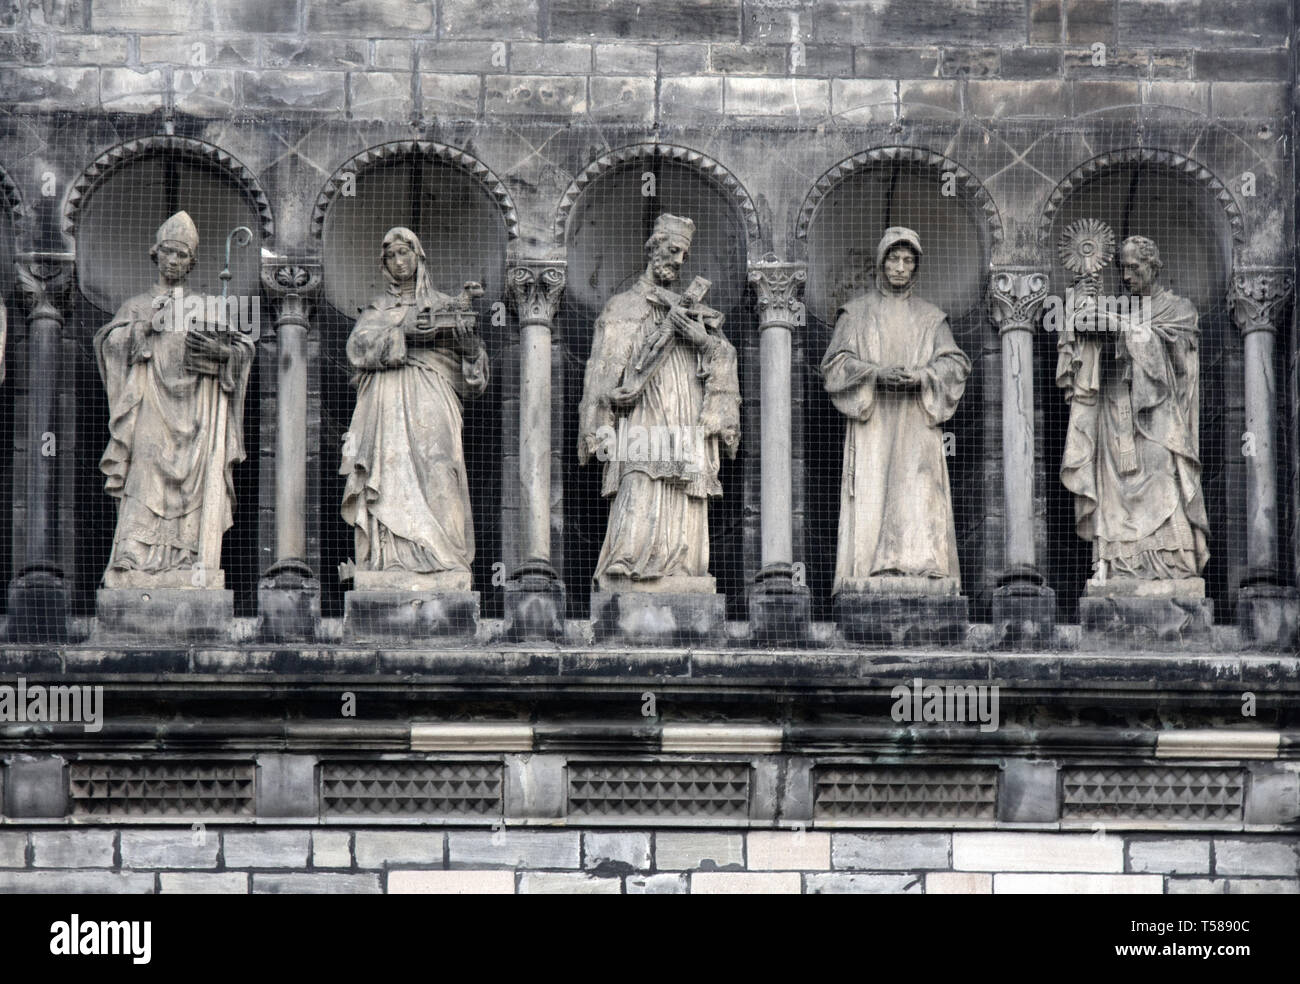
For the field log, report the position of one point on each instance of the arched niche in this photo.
(117, 204)
(1194, 222)
(464, 218)
(604, 220)
(842, 220)
(113, 211)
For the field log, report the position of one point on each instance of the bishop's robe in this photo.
(895, 502)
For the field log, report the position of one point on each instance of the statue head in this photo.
(668, 247)
(175, 248)
(898, 257)
(402, 255)
(1139, 264)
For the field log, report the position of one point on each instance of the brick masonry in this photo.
(276, 860)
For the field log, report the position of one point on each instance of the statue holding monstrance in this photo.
(176, 370)
(1130, 369)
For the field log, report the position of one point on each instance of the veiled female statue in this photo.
(417, 357)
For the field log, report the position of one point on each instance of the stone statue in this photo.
(176, 384)
(417, 357)
(661, 399)
(894, 370)
(1130, 371)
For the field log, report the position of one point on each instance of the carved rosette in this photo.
(535, 290)
(45, 280)
(1015, 298)
(292, 284)
(1258, 296)
(778, 286)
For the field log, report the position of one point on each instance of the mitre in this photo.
(179, 228)
(675, 225)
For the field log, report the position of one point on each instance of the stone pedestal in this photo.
(780, 611)
(1137, 612)
(1269, 616)
(903, 611)
(288, 603)
(39, 600)
(660, 617)
(399, 616)
(534, 603)
(165, 614)
(1023, 611)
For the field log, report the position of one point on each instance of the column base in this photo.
(1269, 616)
(39, 602)
(1023, 610)
(288, 603)
(165, 614)
(902, 619)
(387, 616)
(1135, 612)
(780, 611)
(534, 603)
(658, 618)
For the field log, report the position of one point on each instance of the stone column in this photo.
(39, 597)
(1266, 606)
(779, 604)
(535, 593)
(1024, 607)
(288, 595)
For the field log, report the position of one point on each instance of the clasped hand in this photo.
(690, 329)
(898, 378)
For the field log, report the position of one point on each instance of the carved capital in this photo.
(778, 286)
(536, 287)
(292, 284)
(1257, 297)
(45, 280)
(1015, 296)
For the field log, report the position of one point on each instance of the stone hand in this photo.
(206, 352)
(466, 341)
(692, 330)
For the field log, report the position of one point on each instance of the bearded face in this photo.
(667, 257)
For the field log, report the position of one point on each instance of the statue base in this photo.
(288, 603)
(165, 613)
(673, 584)
(458, 582)
(189, 579)
(903, 611)
(659, 618)
(780, 611)
(534, 603)
(1140, 612)
(1269, 616)
(1023, 611)
(39, 601)
(388, 616)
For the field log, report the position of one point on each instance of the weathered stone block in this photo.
(76, 883)
(535, 786)
(567, 883)
(1122, 64)
(958, 883)
(1202, 25)
(50, 88)
(198, 51)
(615, 853)
(1263, 886)
(890, 851)
(1089, 20)
(1269, 617)
(377, 848)
(22, 49)
(999, 851)
(746, 883)
(317, 52)
(748, 59)
(827, 883)
(89, 49)
(776, 21)
(1256, 857)
(172, 848)
(35, 787)
(180, 614)
(780, 616)
(795, 99)
(1017, 884)
(13, 849)
(494, 20)
(1190, 96)
(381, 96)
(1273, 795)
(151, 15)
(264, 848)
(780, 850)
(1024, 616)
(895, 63)
(1241, 64)
(1045, 21)
(1100, 97)
(646, 618)
(668, 20)
(917, 620)
(309, 91)
(655, 885)
(1030, 63)
(911, 21)
(397, 56)
(331, 849)
(693, 100)
(683, 59)
(286, 785)
(1028, 793)
(208, 93)
(534, 601)
(688, 851)
(1134, 622)
(288, 594)
(626, 59)
(1184, 856)
(409, 615)
(451, 883)
(315, 884)
(514, 849)
(369, 18)
(550, 58)
(185, 883)
(970, 63)
(1175, 63)
(535, 95)
(1006, 100)
(1196, 886)
(822, 61)
(450, 96)
(929, 100)
(75, 848)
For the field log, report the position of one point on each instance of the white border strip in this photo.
(748, 739)
(1218, 744)
(489, 736)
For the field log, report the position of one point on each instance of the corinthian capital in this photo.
(536, 287)
(778, 285)
(1257, 297)
(1015, 296)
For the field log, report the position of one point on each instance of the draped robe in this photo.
(658, 522)
(162, 428)
(1147, 522)
(895, 502)
(407, 494)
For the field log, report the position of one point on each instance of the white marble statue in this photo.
(661, 401)
(407, 495)
(894, 370)
(175, 399)
(1132, 451)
